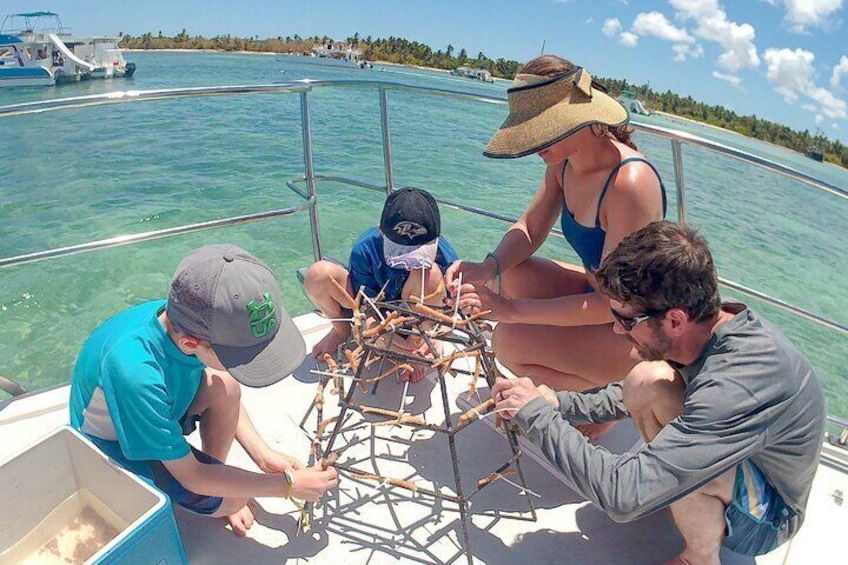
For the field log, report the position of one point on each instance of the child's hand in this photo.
(276, 462)
(310, 483)
(416, 374)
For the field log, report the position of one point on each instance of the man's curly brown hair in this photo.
(660, 267)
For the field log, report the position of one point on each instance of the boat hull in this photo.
(22, 76)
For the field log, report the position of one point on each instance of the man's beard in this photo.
(657, 350)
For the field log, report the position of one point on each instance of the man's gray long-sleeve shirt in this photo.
(750, 394)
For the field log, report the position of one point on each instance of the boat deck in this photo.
(364, 522)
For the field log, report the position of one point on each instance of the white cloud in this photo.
(831, 105)
(732, 80)
(809, 107)
(803, 14)
(683, 51)
(711, 24)
(789, 71)
(628, 39)
(611, 27)
(792, 74)
(838, 71)
(656, 24)
(695, 9)
(819, 119)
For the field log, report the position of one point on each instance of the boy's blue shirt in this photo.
(368, 267)
(147, 384)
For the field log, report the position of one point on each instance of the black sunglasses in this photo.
(629, 323)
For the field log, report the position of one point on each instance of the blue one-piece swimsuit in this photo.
(589, 242)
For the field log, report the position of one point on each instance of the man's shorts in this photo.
(757, 518)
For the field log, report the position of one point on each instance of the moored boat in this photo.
(630, 101)
(18, 68)
(104, 54)
(46, 43)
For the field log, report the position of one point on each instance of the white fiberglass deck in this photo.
(362, 523)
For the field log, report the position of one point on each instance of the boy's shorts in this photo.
(162, 478)
(757, 518)
(154, 472)
(199, 503)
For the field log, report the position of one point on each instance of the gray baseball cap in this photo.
(224, 295)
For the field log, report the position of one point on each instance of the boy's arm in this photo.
(225, 481)
(267, 459)
(231, 482)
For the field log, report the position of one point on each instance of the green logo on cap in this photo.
(262, 318)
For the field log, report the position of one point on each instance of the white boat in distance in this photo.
(17, 68)
(475, 74)
(53, 55)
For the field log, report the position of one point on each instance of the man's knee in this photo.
(655, 387)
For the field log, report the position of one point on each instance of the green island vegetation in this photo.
(405, 52)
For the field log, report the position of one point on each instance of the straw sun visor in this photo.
(543, 111)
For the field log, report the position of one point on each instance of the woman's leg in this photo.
(542, 278)
(562, 357)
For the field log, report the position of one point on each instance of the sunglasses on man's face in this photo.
(629, 323)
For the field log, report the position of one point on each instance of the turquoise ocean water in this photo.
(69, 177)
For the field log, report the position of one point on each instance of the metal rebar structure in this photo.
(376, 324)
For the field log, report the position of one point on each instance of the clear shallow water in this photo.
(73, 176)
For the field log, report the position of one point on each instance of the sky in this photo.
(784, 60)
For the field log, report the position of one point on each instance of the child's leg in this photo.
(324, 294)
(434, 289)
(432, 278)
(217, 406)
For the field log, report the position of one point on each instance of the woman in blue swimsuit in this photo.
(553, 326)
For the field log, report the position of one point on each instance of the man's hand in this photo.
(514, 394)
(312, 482)
(276, 462)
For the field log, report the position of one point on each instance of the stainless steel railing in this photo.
(310, 178)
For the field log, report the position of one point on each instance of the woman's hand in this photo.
(476, 298)
(471, 273)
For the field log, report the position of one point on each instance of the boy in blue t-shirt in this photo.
(148, 375)
(399, 254)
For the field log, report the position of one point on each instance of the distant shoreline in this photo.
(706, 125)
(201, 51)
(730, 131)
(497, 80)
